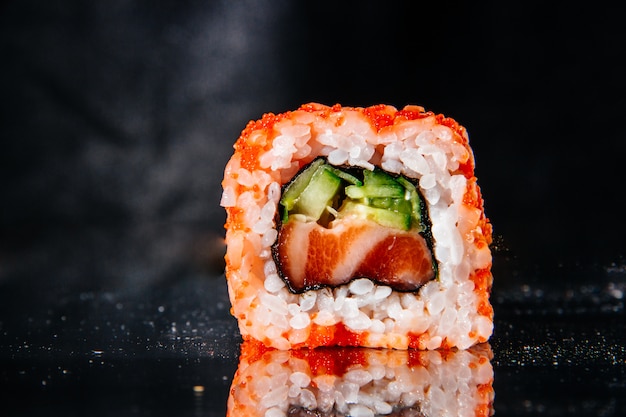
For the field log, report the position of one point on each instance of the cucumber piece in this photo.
(345, 176)
(318, 194)
(376, 184)
(394, 204)
(375, 191)
(384, 198)
(381, 216)
(378, 177)
(382, 202)
(416, 202)
(319, 189)
(294, 189)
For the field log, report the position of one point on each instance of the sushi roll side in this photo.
(335, 216)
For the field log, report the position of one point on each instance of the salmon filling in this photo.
(311, 256)
(336, 226)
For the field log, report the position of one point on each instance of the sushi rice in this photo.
(452, 310)
(362, 382)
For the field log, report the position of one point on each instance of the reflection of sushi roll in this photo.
(357, 227)
(341, 381)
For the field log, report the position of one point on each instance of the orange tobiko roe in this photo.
(256, 139)
(415, 340)
(331, 360)
(483, 280)
(334, 335)
(485, 392)
(379, 116)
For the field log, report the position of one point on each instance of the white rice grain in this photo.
(324, 318)
(427, 181)
(338, 157)
(359, 410)
(274, 303)
(414, 160)
(300, 379)
(273, 192)
(300, 321)
(269, 237)
(229, 197)
(381, 293)
(349, 391)
(308, 400)
(349, 309)
(392, 165)
(360, 322)
(361, 286)
(358, 376)
(307, 300)
(274, 412)
(275, 397)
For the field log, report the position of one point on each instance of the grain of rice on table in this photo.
(357, 226)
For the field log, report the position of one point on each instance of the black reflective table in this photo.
(174, 349)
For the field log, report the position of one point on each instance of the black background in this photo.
(117, 119)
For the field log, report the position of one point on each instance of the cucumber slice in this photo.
(381, 216)
(345, 176)
(321, 192)
(318, 193)
(416, 203)
(295, 188)
(383, 192)
(375, 191)
(376, 184)
(394, 204)
(378, 177)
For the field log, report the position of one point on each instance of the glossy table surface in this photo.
(556, 351)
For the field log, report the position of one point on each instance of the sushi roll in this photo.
(357, 226)
(344, 381)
